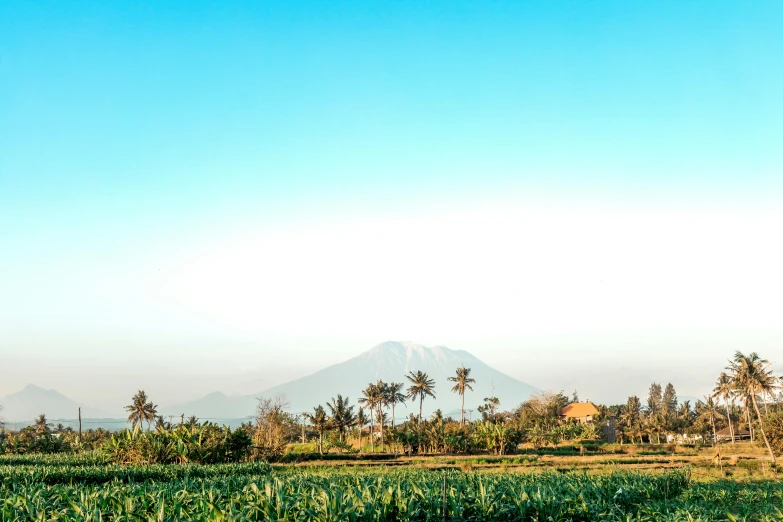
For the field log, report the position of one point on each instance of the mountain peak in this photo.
(389, 361)
(35, 390)
(407, 347)
(32, 400)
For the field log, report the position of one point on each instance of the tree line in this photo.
(744, 401)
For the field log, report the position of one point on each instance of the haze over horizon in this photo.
(199, 198)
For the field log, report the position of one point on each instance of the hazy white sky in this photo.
(212, 198)
(597, 297)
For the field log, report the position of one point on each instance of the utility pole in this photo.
(80, 424)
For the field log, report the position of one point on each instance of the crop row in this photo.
(92, 474)
(396, 494)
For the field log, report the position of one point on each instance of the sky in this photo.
(209, 196)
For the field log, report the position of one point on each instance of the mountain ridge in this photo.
(33, 400)
(389, 361)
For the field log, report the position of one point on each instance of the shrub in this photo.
(205, 444)
(773, 426)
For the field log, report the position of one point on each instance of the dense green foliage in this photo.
(43, 437)
(201, 444)
(80, 488)
(775, 432)
(205, 444)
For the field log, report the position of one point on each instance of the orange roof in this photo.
(579, 409)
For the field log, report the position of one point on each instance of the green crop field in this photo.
(84, 488)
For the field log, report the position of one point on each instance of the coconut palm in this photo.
(725, 390)
(342, 414)
(191, 422)
(163, 425)
(320, 422)
(421, 386)
(141, 409)
(768, 385)
(630, 419)
(381, 404)
(395, 396)
(463, 383)
(750, 374)
(42, 425)
(709, 409)
(361, 421)
(371, 398)
(684, 416)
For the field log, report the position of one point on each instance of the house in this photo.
(375, 430)
(724, 435)
(582, 412)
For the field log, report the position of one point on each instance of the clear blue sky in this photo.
(127, 127)
(172, 108)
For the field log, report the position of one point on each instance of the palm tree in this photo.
(395, 396)
(342, 414)
(320, 422)
(751, 375)
(382, 404)
(463, 383)
(631, 417)
(421, 386)
(361, 421)
(371, 399)
(141, 409)
(684, 417)
(42, 425)
(711, 410)
(161, 424)
(725, 390)
(768, 384)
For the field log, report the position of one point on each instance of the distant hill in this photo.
(389, 361)
(31, 401)
(216, 407)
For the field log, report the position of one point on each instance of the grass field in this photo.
(684, 485)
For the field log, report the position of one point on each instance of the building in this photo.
(582, 412)
(683, 438)
(609, 430)
(375, 430)
(724, 435)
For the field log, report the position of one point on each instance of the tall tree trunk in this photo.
(372, 433)
(761, 427)
(360, 438)
(728, 416)
(421, 405)
(747, 419)
(714, 435)
(380, 421)
(392, 415)
(462, 411)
